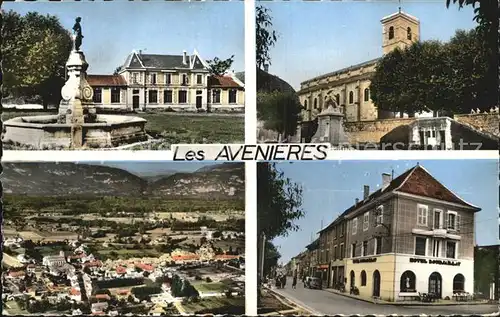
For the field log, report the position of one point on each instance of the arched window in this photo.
(408, 33)
(315, 103)
(363, 278)
(391, 33)
(337, 99)
(351, 97)
(305, 104)
(458, 283)
(353, 281)
(407, 282)
(367, 94)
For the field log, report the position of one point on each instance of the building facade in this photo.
(411, 236)
(173, 82)
(350, 86)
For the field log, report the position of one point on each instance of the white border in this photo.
(250, 167)
(333, 155)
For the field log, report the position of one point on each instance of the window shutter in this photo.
(433, 216)
(458, 223)
(445, 221)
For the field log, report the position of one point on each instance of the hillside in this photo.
(223, 181)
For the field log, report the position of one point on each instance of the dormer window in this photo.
(408, 33)
(391, 33)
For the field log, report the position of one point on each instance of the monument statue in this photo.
(77, 33)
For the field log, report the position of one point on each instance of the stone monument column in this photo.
(330, 125)
(76, 107)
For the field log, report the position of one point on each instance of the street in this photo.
(322, 302)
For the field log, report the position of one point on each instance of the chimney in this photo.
(266, 68)
(184, 57)
(366, 192)
(386, 179)
(356, 202)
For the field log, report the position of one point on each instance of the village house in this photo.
(169, 82)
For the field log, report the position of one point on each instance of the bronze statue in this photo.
(77, 29)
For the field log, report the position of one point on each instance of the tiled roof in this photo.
(185, 257)
(314, 245)
(162, 61)
(106, 80)
(422, 183)
(17, 273)
(223, 82)
(416, 181)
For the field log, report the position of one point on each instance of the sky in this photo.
(330, 187)
(318, 37)
(113, 29)
(150, 168)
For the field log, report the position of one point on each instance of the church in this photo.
(350, 86)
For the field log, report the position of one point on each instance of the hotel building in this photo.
(411, 236)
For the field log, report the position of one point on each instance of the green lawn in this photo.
(210, 287)
(216, 305)
(174, 128)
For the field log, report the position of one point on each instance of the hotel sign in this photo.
(440, 262)
(367, 260)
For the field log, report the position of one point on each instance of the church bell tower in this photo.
(399, 30)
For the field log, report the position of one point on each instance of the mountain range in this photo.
(218, 181)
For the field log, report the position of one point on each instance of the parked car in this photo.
(314, 283)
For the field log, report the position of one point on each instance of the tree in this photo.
(280, 111)
(279, 202)
(468, 80)
(219, 67)
(486, 15)
(265, 36)
(447, 77)
(272, 256)
(35, 48)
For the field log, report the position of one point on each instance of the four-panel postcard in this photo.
(250, 158)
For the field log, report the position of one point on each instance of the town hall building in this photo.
(350, 86)
(169, 82)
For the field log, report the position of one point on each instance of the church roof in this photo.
(343, 70)
(399, 13)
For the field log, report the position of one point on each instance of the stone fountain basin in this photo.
(43, 132)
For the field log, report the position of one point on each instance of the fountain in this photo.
(77, 125)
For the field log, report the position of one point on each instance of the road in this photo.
(322, 302)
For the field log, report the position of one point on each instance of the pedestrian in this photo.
(294, 283)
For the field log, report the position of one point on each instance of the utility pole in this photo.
(262, 256)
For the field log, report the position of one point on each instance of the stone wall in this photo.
(484, 122)
(372, 131)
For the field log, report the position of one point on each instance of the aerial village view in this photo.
(141, 238)
(68, 84)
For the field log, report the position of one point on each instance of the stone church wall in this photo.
(484, 122)
(372, 131)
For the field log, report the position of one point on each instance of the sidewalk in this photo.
(405, 303)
